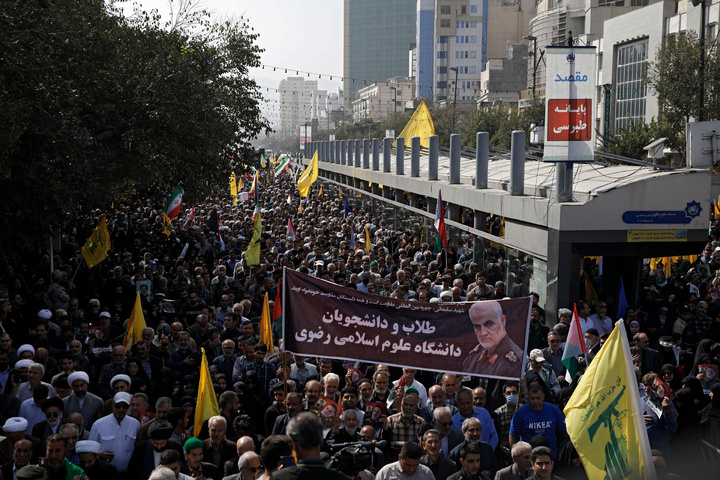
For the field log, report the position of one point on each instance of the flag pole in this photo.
(82, 260)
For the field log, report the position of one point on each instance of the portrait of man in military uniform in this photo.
(496, 354)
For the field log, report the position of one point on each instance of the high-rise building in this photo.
(298, 104)
(377, 36)
(425, 48)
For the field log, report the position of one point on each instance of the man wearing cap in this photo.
(119, 383)
(495, 354)
(116, 433)
(59, 467)
(117, 366)
(544, 370)
(194, 465)
(95, 468)
(80, 400)
(53, 409)
(35, 374)
(146, 455)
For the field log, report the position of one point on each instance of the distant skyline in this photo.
(297, 35)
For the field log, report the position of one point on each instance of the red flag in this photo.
(277, 309)
(440, 219)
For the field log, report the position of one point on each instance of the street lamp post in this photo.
(455, 69)
(701, 113)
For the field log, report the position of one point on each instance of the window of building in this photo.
(473, 24)
(472, 70)
(442, 84)
(442, 70)
(473, 39)
(473, 54)
(445, 10)
(442, 54)
(463, 10)
(442, 39)
(638, 3)
(466, 53)
(466, 39)
(457, 24)
(445, 23)
(473, 8)
(631, 93)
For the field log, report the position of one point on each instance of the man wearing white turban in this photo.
(81, 401)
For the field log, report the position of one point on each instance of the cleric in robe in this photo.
(496, 354)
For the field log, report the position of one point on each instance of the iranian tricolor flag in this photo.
(574, 346)
(173, 203)
(282, 165)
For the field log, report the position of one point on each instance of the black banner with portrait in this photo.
(323, 319)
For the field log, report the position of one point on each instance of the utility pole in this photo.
(455, 69)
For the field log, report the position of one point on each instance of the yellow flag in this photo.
(96, 247)
(136, 324)
(233, 186)
(167, 224)
(206, 406)
(240, 183)
(716, 210)
(265, 328)
(604, 416)
(419, 125)
(309, 176)
(368, 244)
(340, 192)
(320, 192)
(252, 256)
(300, 208)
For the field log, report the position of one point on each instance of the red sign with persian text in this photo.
(569, 120)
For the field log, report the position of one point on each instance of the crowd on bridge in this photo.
(76, 403)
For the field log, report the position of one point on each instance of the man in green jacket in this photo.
(59, 467)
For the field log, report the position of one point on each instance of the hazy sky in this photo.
(303, 35)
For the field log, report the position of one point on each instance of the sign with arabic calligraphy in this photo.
(568, 120)
(323, 319)
(570, 105)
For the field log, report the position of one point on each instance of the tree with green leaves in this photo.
(95, 107)
(675, 79)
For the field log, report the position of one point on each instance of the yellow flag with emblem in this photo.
(309, 176)
(252, 256)
(96, 247)
(206, 406)
(605, 418)
(167, 225)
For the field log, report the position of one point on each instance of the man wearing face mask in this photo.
(506, 412)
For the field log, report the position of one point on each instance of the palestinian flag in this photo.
(574, 346)
(291, 228)
(173, 203)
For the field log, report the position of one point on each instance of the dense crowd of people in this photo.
(76, 403)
